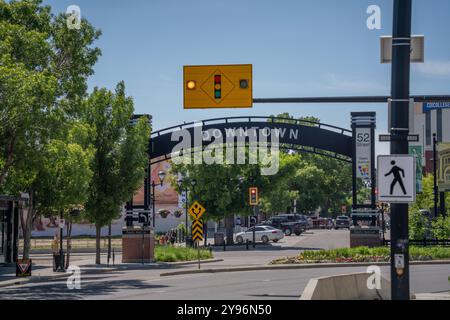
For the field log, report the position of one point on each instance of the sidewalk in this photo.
(42, 269)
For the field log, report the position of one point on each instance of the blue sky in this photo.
(297, 48)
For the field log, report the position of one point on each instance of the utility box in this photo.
(138, 245)
(219, 239)
(365, 237)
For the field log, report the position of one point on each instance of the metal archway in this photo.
(299, 135)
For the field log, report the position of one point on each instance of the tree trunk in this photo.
(69, 241)
(229, 225)
(98, 230)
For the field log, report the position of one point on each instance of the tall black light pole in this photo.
(61, 251)
(180, 183)
(435, 186)
(161, 176)
(401, 48)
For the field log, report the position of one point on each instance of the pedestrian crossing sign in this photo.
(396, 178)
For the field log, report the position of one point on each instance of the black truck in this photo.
(288, 223)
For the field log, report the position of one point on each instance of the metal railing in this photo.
(425, 242)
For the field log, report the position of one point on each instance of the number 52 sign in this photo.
(363, 153)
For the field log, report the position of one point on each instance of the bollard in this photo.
(246, 244)
(224, 245)
(114, 257)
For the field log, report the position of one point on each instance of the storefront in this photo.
(9, 229)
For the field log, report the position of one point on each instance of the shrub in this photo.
(174, 254)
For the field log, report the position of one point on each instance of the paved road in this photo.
(269, 284)
(238, 256)
(259, 285)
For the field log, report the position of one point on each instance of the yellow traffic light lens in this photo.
(191, 85)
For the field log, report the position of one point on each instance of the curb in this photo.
(93, 271)
(297, 266)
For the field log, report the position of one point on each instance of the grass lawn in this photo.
(364, 254)
(175, 254)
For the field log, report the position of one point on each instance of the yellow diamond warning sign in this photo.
(222, 86)
(196, 210)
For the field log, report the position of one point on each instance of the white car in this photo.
(262, 233)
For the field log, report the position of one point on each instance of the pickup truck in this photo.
(283, 224)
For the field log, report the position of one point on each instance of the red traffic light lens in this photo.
(217, 79)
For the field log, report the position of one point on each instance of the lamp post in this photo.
(435, 187)
(161, 176)
(180, 183)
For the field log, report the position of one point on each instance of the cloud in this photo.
(435, 68)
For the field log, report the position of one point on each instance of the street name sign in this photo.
(428, 106)
(390, 137)
(396, 178)
(196, 210)
(217, 86)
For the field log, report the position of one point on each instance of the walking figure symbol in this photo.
(395, 170)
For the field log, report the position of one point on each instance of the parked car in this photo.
(342, 222)
(287, 225)
(262, 233)
(325, 223)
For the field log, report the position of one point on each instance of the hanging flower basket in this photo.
(164, 213)
(178, 213)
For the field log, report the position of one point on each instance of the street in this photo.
(146, 283)
(276, 284)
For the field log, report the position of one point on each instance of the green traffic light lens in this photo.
(217, 94)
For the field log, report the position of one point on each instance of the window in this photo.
(257, 229)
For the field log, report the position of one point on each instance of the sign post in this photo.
(196, 211)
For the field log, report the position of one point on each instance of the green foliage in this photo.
(364, 254)
(64, 179)
(173, 254)
(120, 156)
(441, 228)
(425, 199)
(43, 76)
(419, 226)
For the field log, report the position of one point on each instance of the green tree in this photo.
(63, 182)
(43, 78)
(441, 228)
(120, 156)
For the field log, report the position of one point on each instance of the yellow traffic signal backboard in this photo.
(222, 86)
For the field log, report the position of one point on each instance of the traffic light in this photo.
(218, 86)
(253, 194)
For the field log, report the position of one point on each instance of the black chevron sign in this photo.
(197, 230)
